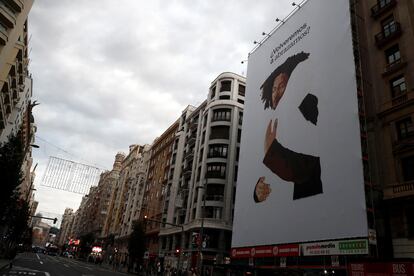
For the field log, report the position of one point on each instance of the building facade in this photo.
(385, 35)
(201, 194)
(156, 186)
(65, 227)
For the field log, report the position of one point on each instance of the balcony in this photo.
(16, 5)
(215, 198)
(399, 190)
(395, 66)
(397, 102)
(4, 36)
(379, 9)
(388, 34)
(7, 16)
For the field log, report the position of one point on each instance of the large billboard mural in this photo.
(300, 169)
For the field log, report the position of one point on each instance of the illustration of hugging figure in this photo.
(303, 170)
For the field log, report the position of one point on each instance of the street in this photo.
(42, 265)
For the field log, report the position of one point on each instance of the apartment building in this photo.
(156, 186)
(16, 83)
(127, 198)
(65, 227)
(385, 40)
(111, 188)
(200, 195)
(135, 193)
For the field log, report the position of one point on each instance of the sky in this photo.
(108, 74)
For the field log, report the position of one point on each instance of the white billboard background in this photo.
(329, 74)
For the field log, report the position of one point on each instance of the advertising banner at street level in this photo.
(300, 176)
(345, 247)
(286, 250)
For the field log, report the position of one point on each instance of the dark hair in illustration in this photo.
(287, 67)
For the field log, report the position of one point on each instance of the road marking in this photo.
(66, 265)
(37, 256)
(47, 274)
(41, 262)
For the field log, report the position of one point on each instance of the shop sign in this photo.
(347, 247)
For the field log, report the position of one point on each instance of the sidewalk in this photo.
(4, 263)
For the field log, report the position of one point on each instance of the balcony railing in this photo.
(399, 190)
(7, 16)
(398, 100)
(394, 30)
(394, 66)
(379, 8)
(215, 198)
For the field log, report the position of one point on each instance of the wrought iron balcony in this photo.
(16, 5)
(397, 102)
(388, 34)
(7, 16)
(379, 8)
(394, 66)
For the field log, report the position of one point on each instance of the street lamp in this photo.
(201, 234)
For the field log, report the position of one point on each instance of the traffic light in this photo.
(54, 220)
(177, 251)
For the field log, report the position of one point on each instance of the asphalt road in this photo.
(33, 264)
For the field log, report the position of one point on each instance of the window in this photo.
(218, 150)
(200, 156)
(242, 90)
(215, 191)
(383, 3)
(198, 173)
(213, 92)
(389, 26)
(410, 221)
(408, 168)
(238, 135)
(405, 128)
(224, 97)
(236, 170)
(216, 170)
(205, 120)
(225, 86)
(220, 132)
(203, 135)
(393, 54)
(221, 115)
(398, 86)
(240, 118)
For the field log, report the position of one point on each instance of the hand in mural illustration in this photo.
(270, 135)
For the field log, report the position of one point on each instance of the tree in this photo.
(11, 176)
(86, 242)
(136, 243)
(54, 230)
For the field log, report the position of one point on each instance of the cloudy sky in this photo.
(111, 73)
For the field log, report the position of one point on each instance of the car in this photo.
(67, 255)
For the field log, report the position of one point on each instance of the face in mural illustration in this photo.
(278, 89)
